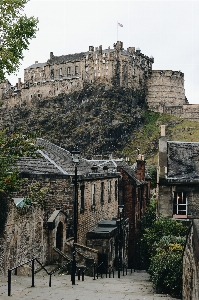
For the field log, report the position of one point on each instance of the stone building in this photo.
(162, 90)
(134, 194)
(178, 178)
(37, 229)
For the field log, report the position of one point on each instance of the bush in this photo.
(152, 235)
(166, 266)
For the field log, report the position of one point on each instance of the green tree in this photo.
(11, 149)
(16, 31)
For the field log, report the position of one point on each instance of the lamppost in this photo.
(120, 237)
(75, 157)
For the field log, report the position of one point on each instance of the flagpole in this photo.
(117, 30)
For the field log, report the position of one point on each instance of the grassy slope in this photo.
(147, 137)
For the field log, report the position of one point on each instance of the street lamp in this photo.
(120, 236)
(75, 157)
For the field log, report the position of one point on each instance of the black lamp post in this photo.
(75, 157)
(120, 236)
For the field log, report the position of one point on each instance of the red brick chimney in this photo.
(141, 167)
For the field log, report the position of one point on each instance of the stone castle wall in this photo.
(191, 264)
(163, 89)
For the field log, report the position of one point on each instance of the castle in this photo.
(163, 89)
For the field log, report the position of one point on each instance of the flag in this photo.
(119, 24)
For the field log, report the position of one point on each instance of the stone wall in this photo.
(27, 233)
(165, 89)
(191, 264)
(24, 237)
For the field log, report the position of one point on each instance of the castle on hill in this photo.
(163, 89)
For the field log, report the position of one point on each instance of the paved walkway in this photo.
(135, 286)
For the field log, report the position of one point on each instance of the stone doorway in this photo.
(59, 236)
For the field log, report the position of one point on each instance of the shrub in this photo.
(166, 266)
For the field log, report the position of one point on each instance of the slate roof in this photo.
(62, 158)
(37, 65)
(104, 229)
(112, 164)
(29, 165)
(182, 160)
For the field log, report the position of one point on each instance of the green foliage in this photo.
(11, 149)
(37, 195)
(152, 171)
(166, 266)
(16, 30)
(152, 235)
(161, 245)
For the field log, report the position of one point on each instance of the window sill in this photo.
(180, 216)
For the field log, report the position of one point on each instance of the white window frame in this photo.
(181, 200)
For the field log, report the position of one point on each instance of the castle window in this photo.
(102, 193)
(109, 191)
(76, 70)
(106, 67)
(96, 61)
(99, 68)
(60, 72)
(52, 74)
(68, 71)
(179, 204)
(86, 69)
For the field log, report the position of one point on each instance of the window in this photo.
(76, 70)
(116, 190)
(179, 204)
(82, 189)
(109, 191)
(68, 71)
(60, 72)
(102, 192)
(93, 194)
(52, 74)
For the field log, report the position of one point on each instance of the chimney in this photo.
(163, 130)
(100, 49)
(91, 48)
(51, 55)
(19, 84)
(162, 158)
(140, 167)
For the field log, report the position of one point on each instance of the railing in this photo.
(107, 271)
(33, 272)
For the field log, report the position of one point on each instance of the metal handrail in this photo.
(33, 272)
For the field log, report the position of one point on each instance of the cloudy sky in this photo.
(168, 30)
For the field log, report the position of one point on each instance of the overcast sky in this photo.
(167, 30)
